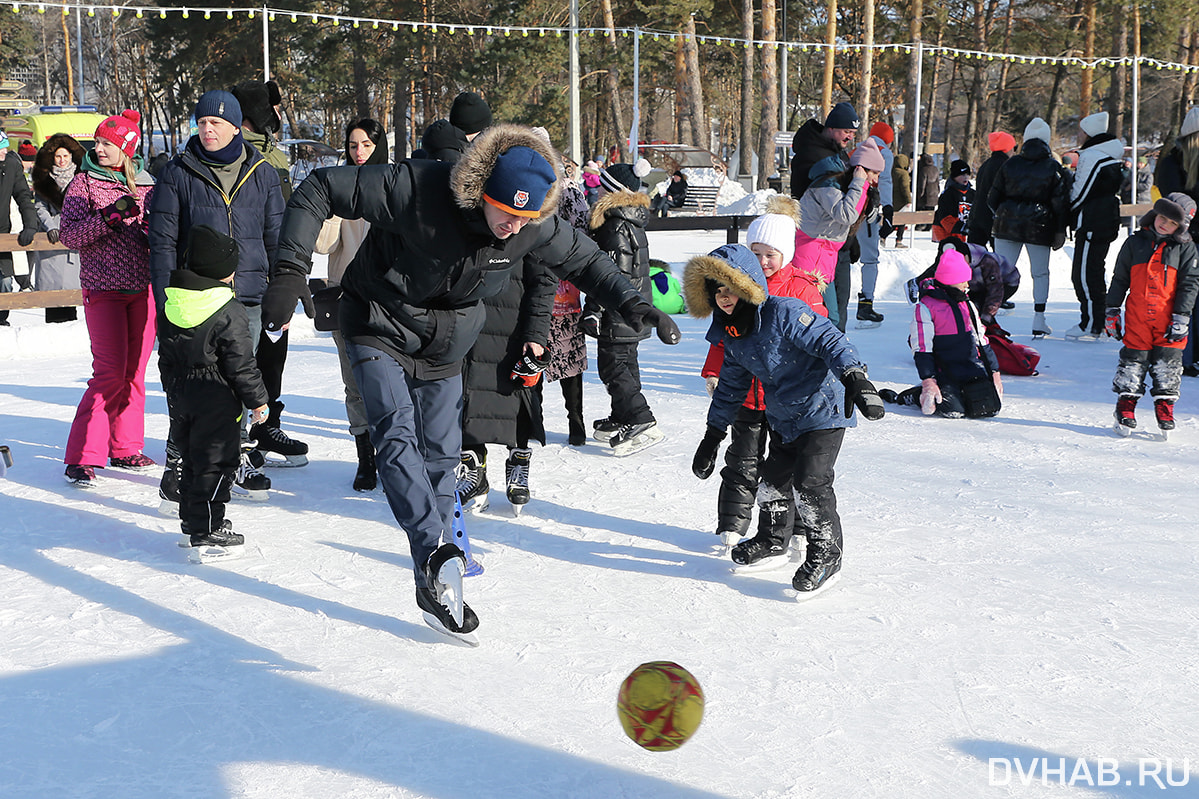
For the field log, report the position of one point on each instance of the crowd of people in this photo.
(464, 278)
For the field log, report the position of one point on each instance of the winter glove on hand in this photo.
(528, 369)
(279, 302)
(640, 313)
(1179, 324)
(930, 396)
(711, 383)
(887, 227)
(860, 392)
(1112, 324)
(124, 208)
(25, 237)
(705, 454)
(52, 235)
(590, 323)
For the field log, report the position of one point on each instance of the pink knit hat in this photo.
(953, 268)
(122, 131)
(868, 156)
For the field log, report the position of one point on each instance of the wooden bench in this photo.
(701, 200)
(11, 301)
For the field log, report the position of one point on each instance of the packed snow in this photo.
(1017, 614)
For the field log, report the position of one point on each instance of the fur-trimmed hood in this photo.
(733, 265)
(471, 173)
(43, 183)
(613, 200)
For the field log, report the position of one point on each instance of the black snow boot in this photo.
(366, 478)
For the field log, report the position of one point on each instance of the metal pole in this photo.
(916, 119)
(576, 137)
(635, 136)
(266, 46)
(1136, 110)
(79, 49)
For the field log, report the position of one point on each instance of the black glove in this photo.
(528, 369)
(52, 234)
(25, 237)
(705, 454)
(861, 392)
(590, 322)
(887, 227)
(640, 313)
(279, 301)
(124, 208)
(1179, 324)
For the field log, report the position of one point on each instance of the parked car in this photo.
(78, 121)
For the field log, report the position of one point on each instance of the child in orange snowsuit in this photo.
(1157, 270)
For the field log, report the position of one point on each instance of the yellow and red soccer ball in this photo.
(660, 705)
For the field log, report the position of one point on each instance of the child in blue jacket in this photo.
(811, 377)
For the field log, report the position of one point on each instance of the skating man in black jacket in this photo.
(442, 239)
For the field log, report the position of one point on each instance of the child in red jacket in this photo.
(771, 237)
(1157, 271)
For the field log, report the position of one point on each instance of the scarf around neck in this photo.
(222, 157)
(63, 175)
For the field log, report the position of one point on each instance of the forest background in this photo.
(982, 65)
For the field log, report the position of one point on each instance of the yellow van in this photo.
(77, 121)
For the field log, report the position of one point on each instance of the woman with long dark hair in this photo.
(366, 145)
(54, 168)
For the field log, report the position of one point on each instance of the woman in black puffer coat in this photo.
(1030, 198)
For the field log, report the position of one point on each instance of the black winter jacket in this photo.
(13, 186)
(618, 227)
(1030, 197)
(491, 400)
(981, 215)
(205, 336)
(1095, 191)
(416, 286)
(188, 194)
(811, 146)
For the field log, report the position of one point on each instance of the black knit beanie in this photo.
(470, 113)
(210, 253)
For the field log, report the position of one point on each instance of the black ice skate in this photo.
(472, 486)
(867, 316)
(604, 429)
(632, 438)
(248, 482)
(220, 544)
(516, 477)
(440, 598)
(272, 441)
(819, 570)
(168, 490)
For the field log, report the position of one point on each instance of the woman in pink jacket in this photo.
(104, 218)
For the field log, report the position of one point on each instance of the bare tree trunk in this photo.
(953, 84)
(864, 91)
(66, 49)
(1059, 75)
(399, 120)
(768, 128)
(830, 54)
(1188, 79)
(975, 97)
(1119, 85)
(616, 116)
(915, 32)
(362, 103)
(681, 112)
(701, 132)
(745, 161)
(932, 92)
(1004, 67)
